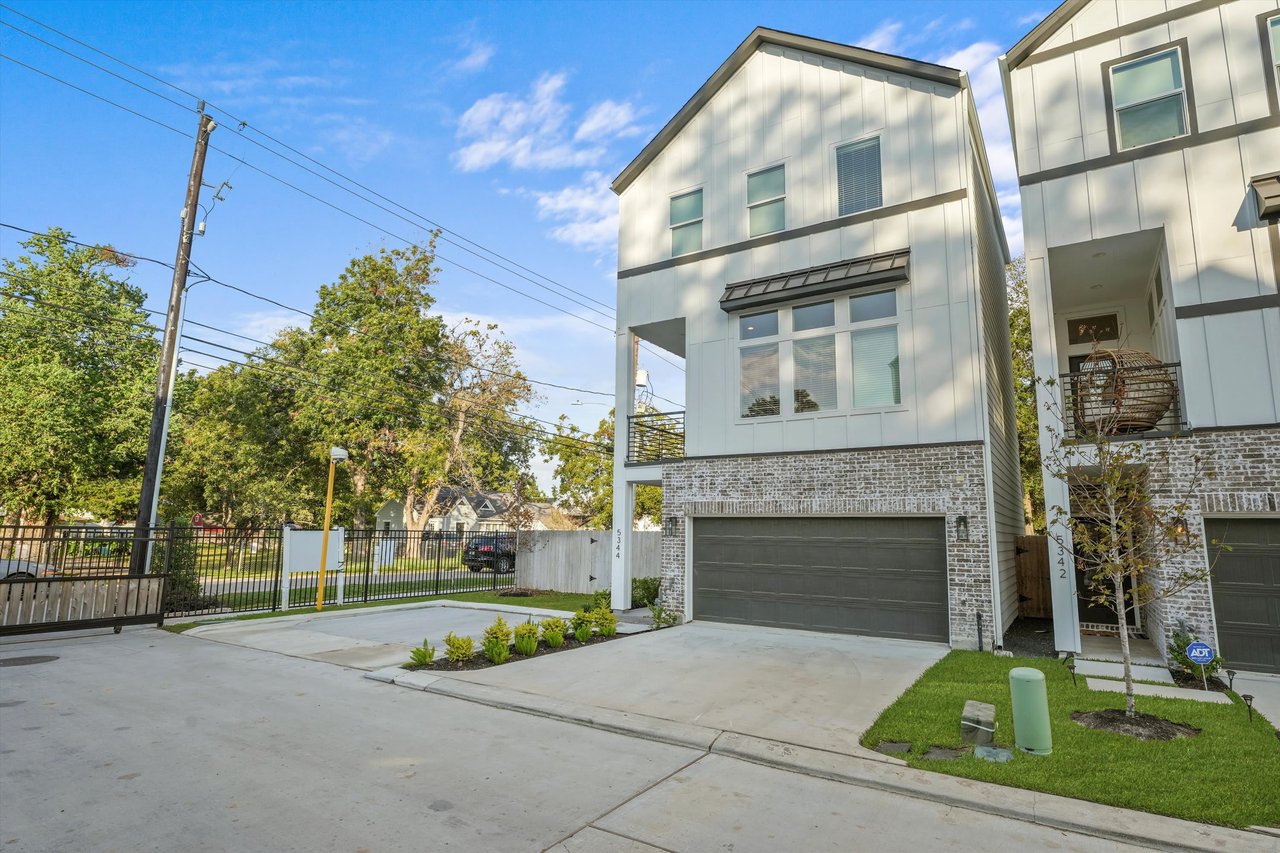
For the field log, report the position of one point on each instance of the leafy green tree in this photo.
(78, 360)
(1024, 387)
(584, 476)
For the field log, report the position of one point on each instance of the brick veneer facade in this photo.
(936, 480)
(1244, 479)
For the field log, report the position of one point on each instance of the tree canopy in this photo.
(584, 476)
(1024, 391)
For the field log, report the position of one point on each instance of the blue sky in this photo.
(504, 122)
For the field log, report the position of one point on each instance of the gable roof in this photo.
(1043, 31)
(761, 36)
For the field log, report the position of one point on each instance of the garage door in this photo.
(881, 576)
(1246, 590)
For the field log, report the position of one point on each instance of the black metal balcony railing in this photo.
(655, 436)
(1108, 400)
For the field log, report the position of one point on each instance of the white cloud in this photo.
(587, 211)
(477, 58)
(358, 139)
(265, 325)
(1032, 19)
(531, 131)
(883, 38)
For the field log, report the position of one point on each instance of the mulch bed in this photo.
(479, 661)
(1191, 680)
(1142, 726)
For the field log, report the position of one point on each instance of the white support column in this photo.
(623, 492)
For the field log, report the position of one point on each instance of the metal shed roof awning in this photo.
(871, 270)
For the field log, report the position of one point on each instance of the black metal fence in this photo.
(655, 436)
(225, 571)
(1108, 400)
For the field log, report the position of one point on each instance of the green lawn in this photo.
(1227, 775)
(550, 600)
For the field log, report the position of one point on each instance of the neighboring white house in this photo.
(816, 233)
(1147, 138)
(462, 511)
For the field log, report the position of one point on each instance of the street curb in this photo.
(1117, 824)
(619, 722)
(883, 773)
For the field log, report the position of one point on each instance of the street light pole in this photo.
(336, 455)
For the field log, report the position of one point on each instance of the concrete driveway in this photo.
(1265, 689)
(798, 687)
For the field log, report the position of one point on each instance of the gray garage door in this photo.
(1246, 590)
(880, 576)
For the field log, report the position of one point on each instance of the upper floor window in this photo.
(1149, 99)
(686, 223)
(1273, 29)
(766, 201)
(858, 176)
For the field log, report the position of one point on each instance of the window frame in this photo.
(1187, 94)
(672, 226)
(1270, 58)
(781, 164)
(842, 329)
(833, 159)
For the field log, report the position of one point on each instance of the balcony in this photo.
(655, 437)
(1108, 397)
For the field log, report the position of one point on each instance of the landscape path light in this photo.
(336, 455)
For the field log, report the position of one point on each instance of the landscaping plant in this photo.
(606, 624)
(644, 591)
(458, 649)
(1133, 546)
(600, 598)
(1183, 637)
(662, 617)
(553, 631)
(422, 655)
(526, 638)
(496, 643)
(580, 623)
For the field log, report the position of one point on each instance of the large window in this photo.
(766, 201)
(1149, 99)
(858, 176)
(1273, 30)
(877, 379)
(821, 355)
(686, 223)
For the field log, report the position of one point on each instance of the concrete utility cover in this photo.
(27, 660)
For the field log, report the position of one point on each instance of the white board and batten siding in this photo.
(786, 106)
(1215, 248)
(567, 560)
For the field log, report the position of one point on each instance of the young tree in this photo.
(1024, 389)
(78, 357)
(584, 476)
(1132, 546)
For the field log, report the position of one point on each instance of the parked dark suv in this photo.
(495, 552)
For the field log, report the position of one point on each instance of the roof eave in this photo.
(1043, 31)
(763, 35)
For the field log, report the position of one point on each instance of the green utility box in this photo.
(1030, 700)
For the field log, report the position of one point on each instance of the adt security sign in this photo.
(1200, 653)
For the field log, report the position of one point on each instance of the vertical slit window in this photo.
(1273, 29)
(759, 388)
(766, 201)
(1149, 97)
(858, 176)
(686, 223)
(815, 374)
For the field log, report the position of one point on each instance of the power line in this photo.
(243, 124)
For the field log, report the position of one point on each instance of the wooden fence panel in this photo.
(580, 560)
(1035, 599)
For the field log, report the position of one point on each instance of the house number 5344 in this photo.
(617, 543)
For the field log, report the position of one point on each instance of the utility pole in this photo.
(168, 355)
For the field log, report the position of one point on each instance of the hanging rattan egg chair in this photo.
(1123, 391)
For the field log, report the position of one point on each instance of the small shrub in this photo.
(600, 598)
(1183, 636)
(498, 632)
(496, 652)
(422, 655)
(553, 631)
(526, 639)
(458, 649)
(662, 617)
(644, 591)
(577, 620)
(606, 624)
(583, 632)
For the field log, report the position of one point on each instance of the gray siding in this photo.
(1002, 439)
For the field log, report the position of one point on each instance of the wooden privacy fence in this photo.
(580, 560)
(1035, 601)
(68, 604)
